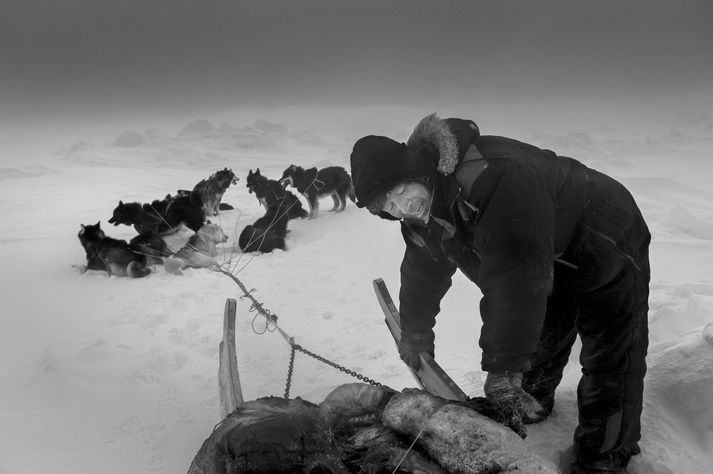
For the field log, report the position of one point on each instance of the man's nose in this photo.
(408, 206)
(403, 205)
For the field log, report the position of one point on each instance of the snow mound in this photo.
(130, 138)
(81, 152)
(81, 147)
(698, 124)
(681, 379)
(576, 144)
(678, 391)
(28, 172)
(197, 127)
(267, 126)
(681, 220)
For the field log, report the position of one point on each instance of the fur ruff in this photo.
(434, 131)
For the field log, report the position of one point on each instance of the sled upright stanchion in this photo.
(430, 376)
(231, 393)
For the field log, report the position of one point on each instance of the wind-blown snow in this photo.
(117, 375)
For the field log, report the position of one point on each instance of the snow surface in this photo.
(119, 375)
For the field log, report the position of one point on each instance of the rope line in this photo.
(261, 237)
(271, 326)
(423, 426)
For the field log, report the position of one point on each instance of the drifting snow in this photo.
(106, 374)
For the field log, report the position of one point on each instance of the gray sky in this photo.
(70, 56)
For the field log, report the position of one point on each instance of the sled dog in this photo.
(143, 217)
(152, 246)
(208, 193)
(200, 250)
(162, 217)
(314, 184)
(269, 191)
(268, 232)
(113, 256)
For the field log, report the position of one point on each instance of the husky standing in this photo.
(313, 184)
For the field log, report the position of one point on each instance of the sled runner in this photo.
(430, 376)
(231, 392)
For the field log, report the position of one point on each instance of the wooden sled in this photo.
(430, 376)
(231, 393)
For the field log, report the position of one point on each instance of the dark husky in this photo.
(314, 184)
(152, 246)
(208, 193)
(161, 217)
(268, 192)
(111, 255)
(146, 218)
(268, 232)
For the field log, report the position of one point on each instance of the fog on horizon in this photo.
(91, 59)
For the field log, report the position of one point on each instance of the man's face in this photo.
(410, 201)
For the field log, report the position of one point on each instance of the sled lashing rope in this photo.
(271, 326)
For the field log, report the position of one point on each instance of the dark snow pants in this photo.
(604, 300)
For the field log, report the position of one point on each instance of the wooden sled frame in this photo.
(430, 376)
(231, 393)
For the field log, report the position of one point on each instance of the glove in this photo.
(505, 392)
(412, 343)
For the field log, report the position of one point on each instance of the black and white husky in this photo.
(268, 192)
(313, 184)
(113, 256)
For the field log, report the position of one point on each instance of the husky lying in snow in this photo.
(208, 193)
(152, 246)
(268, 232)
(268, 192)
(113, 256)
(200, 250)
(313, 184)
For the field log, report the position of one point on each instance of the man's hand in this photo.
(506, 393)
(412, 343)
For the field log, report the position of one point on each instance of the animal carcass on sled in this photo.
(363, 428)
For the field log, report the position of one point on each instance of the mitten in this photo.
(412, 343)
(519, 407)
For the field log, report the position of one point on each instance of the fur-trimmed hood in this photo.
(445, 138)
(435, 148)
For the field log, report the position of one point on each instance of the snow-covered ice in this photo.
(119, 375)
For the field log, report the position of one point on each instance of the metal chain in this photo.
(272, 320)
(338, 367)
(290, 369)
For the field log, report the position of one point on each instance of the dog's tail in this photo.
(136, 269)
(350, 191)
(174, 265)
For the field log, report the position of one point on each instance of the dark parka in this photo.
(506, 233)
(503, 233)
(557, 249)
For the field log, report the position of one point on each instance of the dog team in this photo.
(192, 209)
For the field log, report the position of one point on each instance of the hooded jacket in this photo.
(502, 212)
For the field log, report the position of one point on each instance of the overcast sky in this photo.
(68, 56)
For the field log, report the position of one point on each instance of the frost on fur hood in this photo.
(438, 134)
